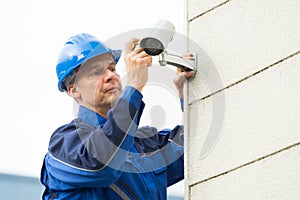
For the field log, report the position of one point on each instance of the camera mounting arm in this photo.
(178, 61)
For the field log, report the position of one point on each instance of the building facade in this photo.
(242, 111)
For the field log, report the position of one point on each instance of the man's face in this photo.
(97, 83)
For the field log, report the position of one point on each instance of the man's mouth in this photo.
(112, 90)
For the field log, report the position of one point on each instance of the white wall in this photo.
(243, 113)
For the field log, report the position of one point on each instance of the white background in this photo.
(32, 35)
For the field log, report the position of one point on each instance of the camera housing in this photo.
(156, 42)
(158, 38)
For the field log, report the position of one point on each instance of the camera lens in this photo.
(152, 46)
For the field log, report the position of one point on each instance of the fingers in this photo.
(187, 74)
(137, 62)
(138, 58)
(188, 56)
(128, 45)
(184, 74)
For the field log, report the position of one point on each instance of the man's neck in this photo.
(101, 110)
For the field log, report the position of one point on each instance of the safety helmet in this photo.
(78, 49)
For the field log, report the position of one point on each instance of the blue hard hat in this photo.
(78, 49)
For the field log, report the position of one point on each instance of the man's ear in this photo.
(72, 90)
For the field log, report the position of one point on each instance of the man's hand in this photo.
(181, 76)
(137, 62)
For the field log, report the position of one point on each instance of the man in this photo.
(103, 154)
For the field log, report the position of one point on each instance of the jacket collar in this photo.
(91, 117)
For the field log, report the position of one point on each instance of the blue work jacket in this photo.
(97, 158)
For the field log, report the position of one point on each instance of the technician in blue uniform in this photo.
(103, 154)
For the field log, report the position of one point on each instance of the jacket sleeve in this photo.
(163, 151)
(82, 155)
(173, 152)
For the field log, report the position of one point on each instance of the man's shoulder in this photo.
(71, 130)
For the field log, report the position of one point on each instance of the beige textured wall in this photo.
(243, 106)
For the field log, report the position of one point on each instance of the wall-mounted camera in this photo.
(156, 42)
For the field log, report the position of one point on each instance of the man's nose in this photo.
(110, 76)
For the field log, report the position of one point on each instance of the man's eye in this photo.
(112, 67)
(97, 73)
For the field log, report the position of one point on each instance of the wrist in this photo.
(137, 87)
(180, 94)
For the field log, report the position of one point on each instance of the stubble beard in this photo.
(105, 103)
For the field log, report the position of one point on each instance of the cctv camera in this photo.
(158, 39)
(156, 42)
